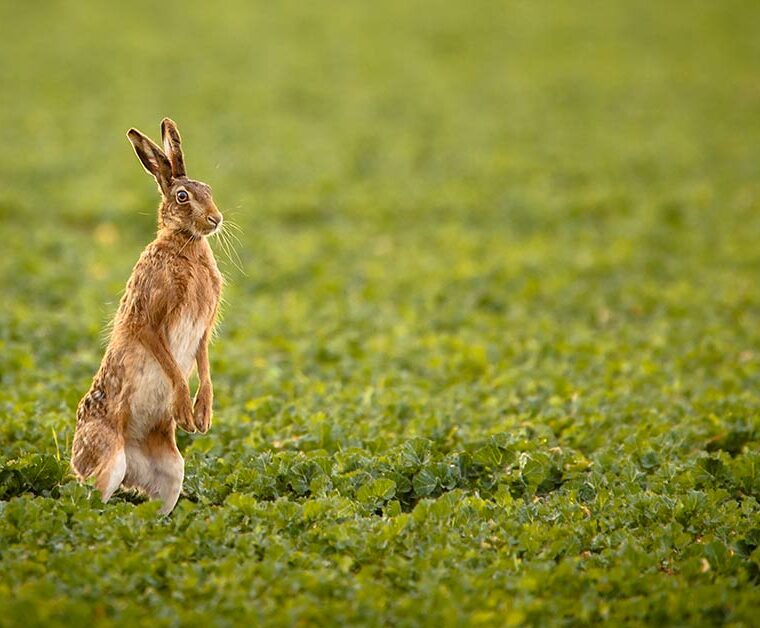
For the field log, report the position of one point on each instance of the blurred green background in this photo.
(458, 219)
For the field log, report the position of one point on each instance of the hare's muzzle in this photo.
(214, 222)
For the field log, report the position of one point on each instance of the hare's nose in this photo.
(215, 220)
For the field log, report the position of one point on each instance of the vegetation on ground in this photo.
(490, 354)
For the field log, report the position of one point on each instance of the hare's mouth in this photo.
(213, 226)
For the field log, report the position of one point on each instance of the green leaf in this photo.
(375, 491)
(489, 456)
(425, 483)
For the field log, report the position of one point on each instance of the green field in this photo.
(491, 351)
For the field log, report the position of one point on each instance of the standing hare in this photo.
(126, 421)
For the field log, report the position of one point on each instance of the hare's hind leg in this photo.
(111, 474)
(98, 452)
(154, 465)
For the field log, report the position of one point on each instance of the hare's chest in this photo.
(196, 315)
(203, 287)
(185, 337)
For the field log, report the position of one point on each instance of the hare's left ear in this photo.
(173, 147)
(152, 158)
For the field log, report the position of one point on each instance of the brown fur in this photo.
(126, 421)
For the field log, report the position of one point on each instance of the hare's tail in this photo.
(98, 448)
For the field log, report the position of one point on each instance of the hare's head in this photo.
(187, 205)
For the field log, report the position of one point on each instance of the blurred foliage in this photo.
(493, 353)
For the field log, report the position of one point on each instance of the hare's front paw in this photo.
(183, 410)
(202, 409)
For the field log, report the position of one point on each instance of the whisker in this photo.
(234, 225)
(233, 213)
(236, 233)
(232, 238)
(231, 235)
(229, 250)
(191, 237)
(220, 247)
(236, 255)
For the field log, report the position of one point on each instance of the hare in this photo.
(125, 432)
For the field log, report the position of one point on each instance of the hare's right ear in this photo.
(173, 146)
(152, 158)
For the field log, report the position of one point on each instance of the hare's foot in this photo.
(111, 474)
(170, 484)
(156, 467)
(183, 410)
(202, 408)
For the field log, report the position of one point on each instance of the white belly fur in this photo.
(184, 338)
(152, 394)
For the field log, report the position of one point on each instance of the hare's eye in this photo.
(183, 196)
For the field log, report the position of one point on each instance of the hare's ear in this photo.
(152, 158)
(173, 146)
